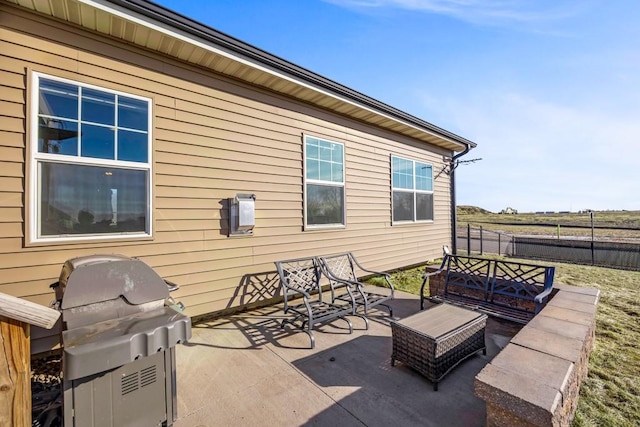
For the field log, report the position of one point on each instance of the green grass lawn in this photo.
(610, 396)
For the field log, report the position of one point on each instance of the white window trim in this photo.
(36, 158)
(306, 225)
(413, 191)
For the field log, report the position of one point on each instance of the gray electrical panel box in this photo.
(242, 214)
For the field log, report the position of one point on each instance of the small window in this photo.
(324, 201)
(91, 170)
(412, 188)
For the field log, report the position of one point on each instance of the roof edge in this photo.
(183, 23)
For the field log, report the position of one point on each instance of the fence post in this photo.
(468, 239)
(499, 244)
(481, 239)
(593, 255)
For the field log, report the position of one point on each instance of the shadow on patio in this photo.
(245, 370)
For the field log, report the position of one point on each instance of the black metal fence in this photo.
(579, 251)
(478, 240)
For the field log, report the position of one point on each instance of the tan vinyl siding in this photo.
(213, 138)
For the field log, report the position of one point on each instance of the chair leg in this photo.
(363, 317)
(311, 337)
(348, 323)
(306, 330)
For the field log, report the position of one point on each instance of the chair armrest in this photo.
(349, 283)
(366, 270)
(377, 273)
(387, 276)
(296, 289)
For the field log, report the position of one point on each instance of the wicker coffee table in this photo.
(434, 341)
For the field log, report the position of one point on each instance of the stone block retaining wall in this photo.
(535, 380)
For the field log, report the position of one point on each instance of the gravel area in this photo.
(46, 390)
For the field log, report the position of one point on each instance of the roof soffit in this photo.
(112, 18)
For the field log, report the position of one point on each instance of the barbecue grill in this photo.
(120, 329)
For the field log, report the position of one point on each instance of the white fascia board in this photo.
(180, 35)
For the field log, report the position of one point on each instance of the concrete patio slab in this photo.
(244, 370)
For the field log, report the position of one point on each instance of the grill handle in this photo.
(172, 286)
(177, 306)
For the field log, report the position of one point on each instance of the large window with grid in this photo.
(412, 188)
(91, 162)
(324, 200)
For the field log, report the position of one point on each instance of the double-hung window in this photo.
(412, 187)
(324, 201)
(91, 162)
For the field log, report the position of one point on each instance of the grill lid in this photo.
(95, 279)
(114, 311)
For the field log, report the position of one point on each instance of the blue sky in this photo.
(549, 90)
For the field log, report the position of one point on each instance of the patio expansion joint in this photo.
(315, 385)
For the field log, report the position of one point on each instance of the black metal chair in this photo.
(344, 269)
(302, 277)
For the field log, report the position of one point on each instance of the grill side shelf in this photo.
(112, 343)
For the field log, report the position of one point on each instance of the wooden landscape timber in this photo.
(16, 317)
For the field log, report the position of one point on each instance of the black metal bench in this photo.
(301, 277)
(505, 289)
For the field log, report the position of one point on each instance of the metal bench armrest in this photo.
(539, 299)
(440, 269)
(433, 273)
(426, 276)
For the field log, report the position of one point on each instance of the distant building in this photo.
(509, 211)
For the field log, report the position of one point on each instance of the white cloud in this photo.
(555, 118)
(484, 12)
